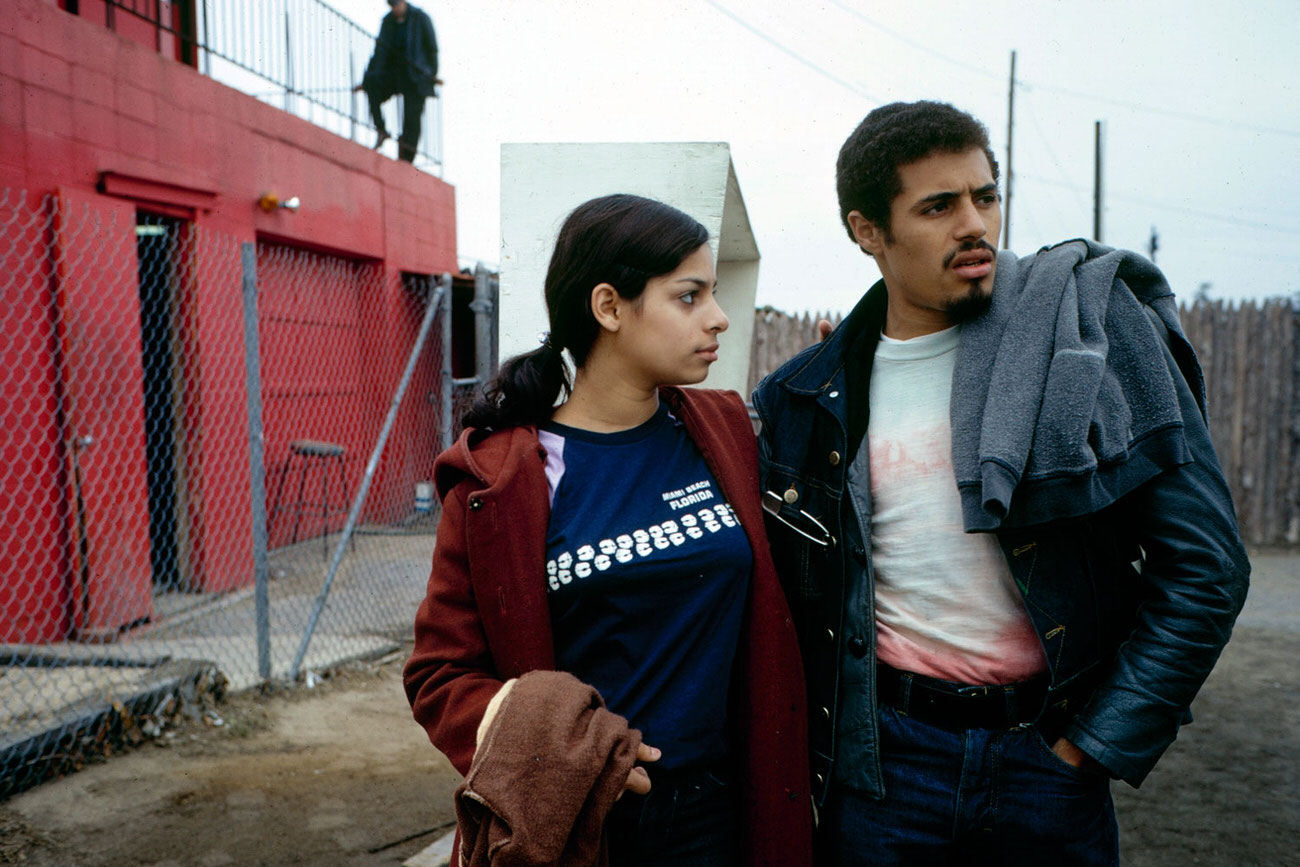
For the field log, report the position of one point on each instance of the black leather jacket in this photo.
(1132, 604)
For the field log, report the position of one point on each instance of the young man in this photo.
(994, 504)
(405, 61)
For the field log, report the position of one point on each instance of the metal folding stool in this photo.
(327, 456)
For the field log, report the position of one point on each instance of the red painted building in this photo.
(106, 131)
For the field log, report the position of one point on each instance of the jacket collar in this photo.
(859, 332)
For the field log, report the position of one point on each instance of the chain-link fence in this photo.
(216, 469)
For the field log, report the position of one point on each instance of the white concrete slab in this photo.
(438, 854)
(542, 183)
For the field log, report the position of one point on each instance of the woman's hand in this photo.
(638, 781)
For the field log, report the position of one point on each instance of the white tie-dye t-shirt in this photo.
(946, 604)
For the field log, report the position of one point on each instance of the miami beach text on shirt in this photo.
(696, 492)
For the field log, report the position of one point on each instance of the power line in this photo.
(1077, 94)
(1028, 215)
(1166, 253)
(1207, 215)
(917, 45)
(1168, 112)
(1051, 154)
(1264, 257)
(820, 70)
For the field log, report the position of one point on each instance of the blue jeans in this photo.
(973, 797)
(689, 819)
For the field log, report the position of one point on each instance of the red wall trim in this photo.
(328, 249)
(140, 189)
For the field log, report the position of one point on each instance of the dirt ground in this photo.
(339, 775)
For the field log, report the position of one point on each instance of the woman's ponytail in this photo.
(523, 392)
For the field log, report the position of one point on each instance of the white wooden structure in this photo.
(542, 183)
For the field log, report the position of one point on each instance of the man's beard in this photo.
(970, 306)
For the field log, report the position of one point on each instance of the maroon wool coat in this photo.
(486, 618)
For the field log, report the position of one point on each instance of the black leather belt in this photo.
(956, 707)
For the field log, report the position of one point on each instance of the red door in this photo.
(97, 303)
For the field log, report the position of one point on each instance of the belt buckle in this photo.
(981, 691)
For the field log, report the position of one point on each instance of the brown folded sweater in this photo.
(551, 765)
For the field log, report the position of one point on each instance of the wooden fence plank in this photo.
(1250, 354)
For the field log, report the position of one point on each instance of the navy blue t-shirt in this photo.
(647, 570)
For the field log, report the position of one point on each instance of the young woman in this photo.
(618, 537)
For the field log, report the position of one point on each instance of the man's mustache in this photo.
(981, 244)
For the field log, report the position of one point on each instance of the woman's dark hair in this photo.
(622, 240)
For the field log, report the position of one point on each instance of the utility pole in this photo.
(1153, 244)
(1010, 128)
(1096, 184)
(1011, 122)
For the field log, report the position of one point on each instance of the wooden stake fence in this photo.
(1251, 357)
(1252, 381)
(777, 337)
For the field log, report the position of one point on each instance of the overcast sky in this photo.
(1199, 103)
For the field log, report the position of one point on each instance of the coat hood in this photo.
(487, 456)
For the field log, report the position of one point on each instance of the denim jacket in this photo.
(1132, 604)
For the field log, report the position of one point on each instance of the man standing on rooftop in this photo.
(1010, 552)
(405, 61)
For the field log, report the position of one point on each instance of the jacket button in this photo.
(857, 647)
(860, 554)
(791, 496)
(476, 504)
(821, 781)
(826, 713)
(830, 635)
(834, 458)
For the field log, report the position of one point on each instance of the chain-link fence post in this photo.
(256, 460)
(484, 307)
(439, 301)
(445, 421)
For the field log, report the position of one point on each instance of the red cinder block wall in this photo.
(94, 125)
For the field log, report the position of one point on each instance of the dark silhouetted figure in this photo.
(406, 62)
